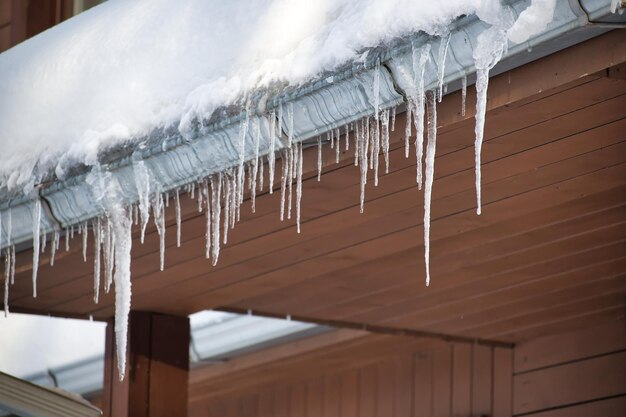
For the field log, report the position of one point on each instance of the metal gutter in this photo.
(333, 101)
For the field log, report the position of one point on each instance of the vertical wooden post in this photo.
(157, 368)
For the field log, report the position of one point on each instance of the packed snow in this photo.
(122, 69)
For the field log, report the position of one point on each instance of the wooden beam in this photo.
(157, 368)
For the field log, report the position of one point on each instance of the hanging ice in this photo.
(216, 189)
(463, 94)
(36, 231)
(97, 230)
(319, 158)
(255, 164)
(158, 208)
(490, 46)
(177, 207)
(420, 57)
(84, 233)
(107, 191)
(299, 184)
(271, 162)
(430, 174)
(441, 62)
(142, 182)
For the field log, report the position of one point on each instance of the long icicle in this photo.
(299, 185)
(290, 172)
(7, 277)
(319, 158)
(209, 219)
(178, 220)
(419, 67)
(216, 189)
(271, 157)
(97, 229)
(36, 234)
(255, 166)
(430, 173)
(85, 236)
(482, 82)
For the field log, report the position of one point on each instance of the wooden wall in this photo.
(578, 374)
(444, 379)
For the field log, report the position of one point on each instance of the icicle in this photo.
(7, 277)
(376, 150)
(290, 123)
(290, 172)
(167, 199)
(283, 183)
(319, 158)
(347, 138)
(364, 143)
(120, 219)
(36, 232)
(255, 165)
(430, 173)
(330, 136)
(216, 188)
(142, 181)
(135, 214)
(108, 256)
(491, 45)
(85, 234)
(177, 205)
(357, 144)
(0, 230)
(192, 187)
(441, 61)
(337, 148)
(97, 231)
(207, 198)
(261, 174)
(393, 119)
(44, 240)
(272, 154)
(67, 240)
(227, 208)
(482, 81)
(234, 202)
(280, 119)
(299, 185)
(371, 135)
(463, 93)
(407, 128)
(158, 210)
(53, 249)
(12, 264)
(420, 56)
(199, 202)
(72, 231)
(385, 138)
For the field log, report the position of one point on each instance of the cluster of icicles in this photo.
(221, 195)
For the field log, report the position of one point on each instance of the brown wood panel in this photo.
(412, 379)
(612, 407)
(595, 378)
(461, 375)
(5, 12)
(502, 382)
(553, 350)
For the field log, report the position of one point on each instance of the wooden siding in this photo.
(546, 255)
(582, 373)
(405, 378)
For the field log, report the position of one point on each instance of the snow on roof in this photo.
(125, 67)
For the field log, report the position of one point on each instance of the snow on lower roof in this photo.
(125, 67)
